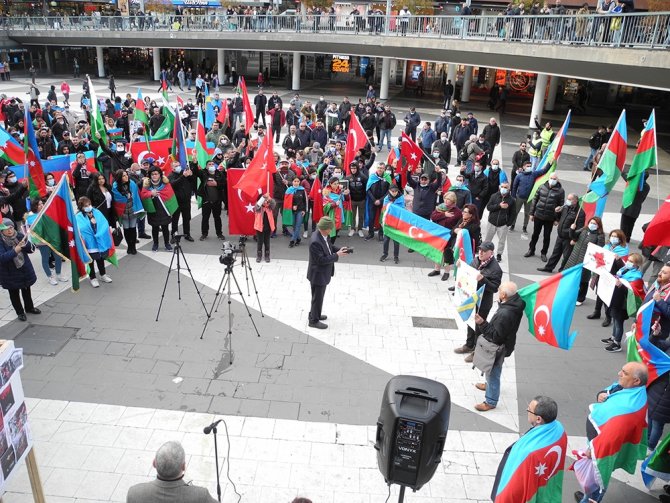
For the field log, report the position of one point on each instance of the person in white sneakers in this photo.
(54, 275)
(94, 230)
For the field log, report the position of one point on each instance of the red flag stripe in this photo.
(427, 238)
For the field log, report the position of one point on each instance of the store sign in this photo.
(340, 64)
(197, 3)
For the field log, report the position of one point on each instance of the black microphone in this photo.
(207, 430)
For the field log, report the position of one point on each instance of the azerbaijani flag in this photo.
(115, 134)
(140, 113)
(645, 158)
(463, 247)
(470, 304)
(165, 196)
(611, 164)
(533, 470)
(657, 465)
(248, 112)
(165, 131)
(621, 423)
(550, 306)
(287, 210)
(656, 360)
(551, 156)
(317, 200)
(57, 227)
(10, 150)
(201, 154)
(37, 184)
(421, 235)
(178, 144)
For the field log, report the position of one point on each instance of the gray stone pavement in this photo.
(121, 356)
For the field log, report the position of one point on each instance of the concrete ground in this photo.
(301, 404)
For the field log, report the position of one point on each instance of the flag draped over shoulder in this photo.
(621, 423)
(550, 306)
(656, 360)
(165, 196)
(56, 226)
(287, 210)
(421, 235)
(645, 158)
(551, 156)
(532, 471)
(37, 185)
(611, 165)
(10, 150)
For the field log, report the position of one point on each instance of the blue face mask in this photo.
(614, 240)
(88, 209)
(593, 227)
(504, 191)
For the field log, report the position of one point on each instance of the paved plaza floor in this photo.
(300, 404)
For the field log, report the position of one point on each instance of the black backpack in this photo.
(463, 155)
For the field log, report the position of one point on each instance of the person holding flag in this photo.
(592, 232)
(448, 215)
(395, 197)
(616, 428)
(264, 225)
(376, 190)
(127, 206)
(501, 331)
(160, 203)
(17, 274)
(528, 470)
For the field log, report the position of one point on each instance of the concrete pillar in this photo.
(47, 59)
(157, 63)
(467, 84)
(551, 95)
(386, 73)
(538, 99)
(451, 73)
(221, 65)
(491, 77)
(295, 85)
(100, 56)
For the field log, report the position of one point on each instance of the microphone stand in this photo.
(212, 428)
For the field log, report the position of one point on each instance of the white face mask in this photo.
(593, 227)
(51, 183)
(88, 209)
(211, 169)
(138, 172)
(436, 155)
(614, 240)
(528, 169)
(443, 140)
(177, 169)
(477, 171)
(552, 182)
(504, 191)
(495, 167)
(11, 179)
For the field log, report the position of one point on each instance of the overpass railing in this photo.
(637, 30)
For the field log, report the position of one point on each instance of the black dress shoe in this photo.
(579, 496)
(23, 317)
(144, 235)
(544, 269)
(318, 325)
(593, 316)
(529, 254)
(323, 317)
(189, 238)
(606, 322)
(664, 498)
(543, 257)
(34, 310)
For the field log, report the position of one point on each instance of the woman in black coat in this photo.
(100, 194)
(16, 272)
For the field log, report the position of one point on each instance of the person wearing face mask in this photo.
(16, 195)
(180, 179)
(495, 176)
(592, 232)
(160, 203)
(48, 256)
(544, 213)
(210, 190)
(570, 214)
(394, 197)
(320, 109)
(616, 243)
(478, 184)
(412, 121)
(425, 193)
(443, 148)
(50, 182)
(376, 189)
(357, 183)
(118, 159)
(534, 146)
(17, 274)
(430, 166)
(501, 330)
(283, 178)
(94, 230)
(521, 189)
(501, 212)
(462, 192)
(128, 207)
(448, 215)
(618, 307)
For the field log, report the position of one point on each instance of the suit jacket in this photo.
(321, 262)
(172, 491)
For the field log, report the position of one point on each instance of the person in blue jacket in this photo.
(17, 274)
(521, 189)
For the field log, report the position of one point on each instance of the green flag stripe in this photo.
(418, 246)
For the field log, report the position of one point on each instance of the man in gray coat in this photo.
(169, 486)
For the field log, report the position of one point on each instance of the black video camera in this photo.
(228, 252)
(176, 238)
(349, 251)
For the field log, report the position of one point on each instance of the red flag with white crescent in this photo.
(356, 140)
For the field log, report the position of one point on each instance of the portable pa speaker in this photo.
(411, 430)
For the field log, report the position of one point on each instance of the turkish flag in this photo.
(658, 230)
(158, 150)
(356, 140)
(223, 116)
(240, 206)
(257, 176)
(248, 112)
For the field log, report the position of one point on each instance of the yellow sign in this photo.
(340, 64)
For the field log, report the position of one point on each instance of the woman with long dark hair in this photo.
(94, 230)
(127, 207)
(16, 272)
(100, 194)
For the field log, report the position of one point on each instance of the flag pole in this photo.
(658, 188)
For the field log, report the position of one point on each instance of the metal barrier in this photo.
(637, 30)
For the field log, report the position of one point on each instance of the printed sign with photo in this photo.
(597, 259)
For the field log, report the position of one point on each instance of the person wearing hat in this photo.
(321, 268)
(490, 277)
(17, 274)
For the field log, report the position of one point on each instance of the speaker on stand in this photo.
(411, 431)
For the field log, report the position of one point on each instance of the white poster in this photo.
(597, 259)
(606, 285)
(466, 286)
(15, 437)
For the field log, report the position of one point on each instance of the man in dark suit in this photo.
(322, 258)
(169, 486)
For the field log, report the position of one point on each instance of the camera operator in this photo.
(322, 258)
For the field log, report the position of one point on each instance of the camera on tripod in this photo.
(175, 239)
(228, 252)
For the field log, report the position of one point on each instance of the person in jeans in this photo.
(501, 212)
(386, 123)
(54, 275)
(297, 209)
(393, 197)
(357, 183)
(16, 271)
(264, 225)
(94, 230)
(500, 330)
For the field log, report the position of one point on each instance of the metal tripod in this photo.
(179, 254)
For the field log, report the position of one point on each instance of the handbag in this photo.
(117, 236)
(486, 354)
